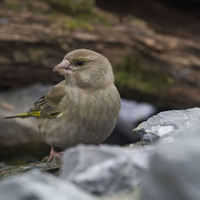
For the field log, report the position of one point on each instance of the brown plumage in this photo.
(83, 108)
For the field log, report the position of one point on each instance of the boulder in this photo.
(166, 126)
(174, 171)
(19, 137)
(38, 186)
(105, 170)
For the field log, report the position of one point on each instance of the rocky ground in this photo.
(164, 165)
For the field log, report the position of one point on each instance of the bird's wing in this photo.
(47, 106)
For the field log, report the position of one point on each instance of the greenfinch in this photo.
(83, 108)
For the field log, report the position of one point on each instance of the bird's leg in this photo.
(54, 154)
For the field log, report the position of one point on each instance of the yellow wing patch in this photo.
(41, 114)
(35, 113)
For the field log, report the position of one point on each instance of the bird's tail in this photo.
(21, 115)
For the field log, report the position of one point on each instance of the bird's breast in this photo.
(83, 103)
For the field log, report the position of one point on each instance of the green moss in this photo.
(77, 14)
(69, 23)
(133, 74)
(71, 7)
(12, 5)
(78, 23)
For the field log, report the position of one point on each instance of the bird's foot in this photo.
(54, 154)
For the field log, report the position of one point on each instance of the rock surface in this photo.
(168, 169)
(120, 172)
(51, 167)
(19, 137)
(42, 186)
(166, 126)
(37, 186)
(165, 56)
(105, 170)
(174, 171)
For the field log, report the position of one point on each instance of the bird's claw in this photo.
(54, 154)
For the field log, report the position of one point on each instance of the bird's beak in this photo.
(63, 65)
(63, 68)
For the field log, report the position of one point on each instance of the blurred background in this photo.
(153, 47)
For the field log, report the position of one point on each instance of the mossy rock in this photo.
(72, 7)
(52, 167)
(133, 74)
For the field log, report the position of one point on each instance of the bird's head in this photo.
(86, 68)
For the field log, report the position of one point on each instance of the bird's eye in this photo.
(79, 62)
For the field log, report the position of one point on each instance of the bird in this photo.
(81, 109)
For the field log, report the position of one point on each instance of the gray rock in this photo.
(174, 171)
(20, 134)
(166, 126)
(37, 186)
(105, 170)
(4, 20)
(19, 101)
(134, 195)
(22, 99)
